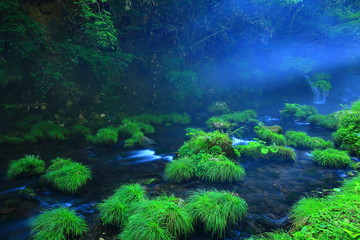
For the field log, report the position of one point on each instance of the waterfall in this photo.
(319, 96)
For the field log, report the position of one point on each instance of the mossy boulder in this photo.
(332, 158)
(27, 166)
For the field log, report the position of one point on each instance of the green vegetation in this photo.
(180, 170)
(218, 108)
(46, 130)
(231, 120)
(347, 135)
(211, 143)
(104, 136)
(266, 134)
(211, 168)
(332, 217)
(218, 168)
(304, 141)
(258, 150)
(58, 224)
(117, 208)
(162, 218)
(297, 112)
(331, 158)
(80, 130)
(216, 210)
(327, 121)
(66, 175)
(327, 218)
(29, 165)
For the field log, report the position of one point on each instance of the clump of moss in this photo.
(29, 165)
(67, 175)
(327, 121)
(216, 210)
(218, 169)
(331, 158)
(270, 137)
(104, 136)
(175, 118)
(162, 218)
(180, 170)
(59, 223)
(229, 121)
(46, 130)
(303, 141)
(211, 168)
(257, 150)
(355, 106)
(218, 107)
(211, 143)
(327, 218)
(297, 112)
(135, 131)
(80, 130)
(117, 208)
(347, 135)
(332, 217)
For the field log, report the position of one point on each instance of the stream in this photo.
(270, 188)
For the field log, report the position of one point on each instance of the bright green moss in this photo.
(297, 112)
(203, 142)
(104, 136)
(58, 224)
(347, 137)
(66, 175)
(333, 217)
(117, 208)
(280, 235)
(180, 170)
(161, 218)
(269, 136)
(228, 121)
(304, 141)
(331, 158)
(29, 165)
(256, 150)
(355, 106)
(328, 121)
(352, 186)
(219, 169)
(216, 210)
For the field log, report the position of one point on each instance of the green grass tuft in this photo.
(58, 224)
(297, 112)
(303, 141)
(202, 142)
(117, 208)
(256, 150)
(66, 175)
(29, 165)
(270, 137)
(180, 170)
(104, 136)
(328, 121)
(162, 218)
(220, 169)
(216, 210)
(332, 158)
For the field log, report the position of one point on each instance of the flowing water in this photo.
(270, 188)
